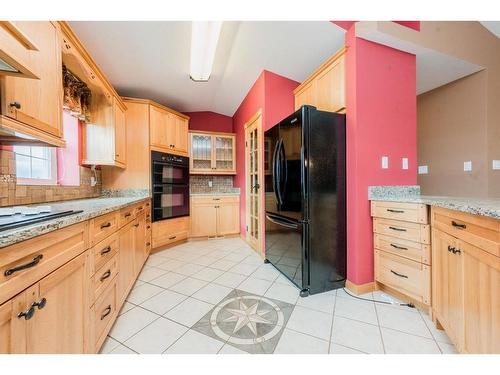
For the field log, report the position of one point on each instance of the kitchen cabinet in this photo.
(214, 215)
(34, 106)
(212, 153)
(168, 131)
(120, 135)
(141, 247)
(166, 232)
(126, 260)
(16, 50)
(325, 87)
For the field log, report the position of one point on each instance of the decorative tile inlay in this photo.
(246, 321)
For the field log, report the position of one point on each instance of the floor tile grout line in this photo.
(432, 335)
(333, 319)
(379, 329)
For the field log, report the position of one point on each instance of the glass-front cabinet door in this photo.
(212, 153)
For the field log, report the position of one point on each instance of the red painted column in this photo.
(381, 121)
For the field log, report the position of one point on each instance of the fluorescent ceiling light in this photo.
(204, 38)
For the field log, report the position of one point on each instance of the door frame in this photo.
(257, 117)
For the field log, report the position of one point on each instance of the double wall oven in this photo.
(170, 185)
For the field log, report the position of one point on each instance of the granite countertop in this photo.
(489, 207)
(91, 208)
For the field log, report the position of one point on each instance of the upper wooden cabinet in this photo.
(325, 88)
(16, 48)
(33, 106)
(168, 130)
(212, 153)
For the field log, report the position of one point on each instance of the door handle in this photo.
(399, 274)
(106, 312)
(399, 247)
(457, 225)
(33, 263)
(15, 105)
(395, 211)
(282, 223)
(107, 225)
(106, 250)
(28, 314)
(40, 304)
(105, 275)
(398, 229)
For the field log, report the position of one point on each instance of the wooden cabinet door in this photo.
(203, 220)
(16, 50)
(330, 87)
(62, 324)
(224, 153)
(200, 158)
(481, 300)
(447, 286)
(38, 102)
(171, 130)
(120, 135)
(158, 121)
(140, 253)
(181, 135)
(13, 327)
(126, 260)
(228, 218)
(306, 96)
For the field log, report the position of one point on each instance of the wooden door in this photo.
(200, 153)
(306, 96)
(12, 326)
(120, 135)
(158, 120)
(181, 135)
(481, 300)
(171, 130)
(253, 168)
(330, 87)
(38, 102)
(60, 323)
(447, 286)
(126, 260)
(140, 253)
(228, 221)
(203, 219)
(224, 153)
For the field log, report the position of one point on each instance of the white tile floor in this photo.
(178, 286)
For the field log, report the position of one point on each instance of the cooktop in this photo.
(11, 218)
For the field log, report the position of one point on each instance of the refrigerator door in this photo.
(284, 247)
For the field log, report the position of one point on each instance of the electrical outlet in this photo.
(496, 164)
(385, 162)
(423, 169)
(405, 163)
(467, 166)
(210, 183)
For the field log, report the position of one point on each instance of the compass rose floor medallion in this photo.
(248, 322)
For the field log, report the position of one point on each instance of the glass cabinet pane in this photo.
(224, 153)
(201, 151)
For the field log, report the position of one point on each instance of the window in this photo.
(36, 165)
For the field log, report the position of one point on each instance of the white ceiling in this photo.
(151, 59)
(492, 26)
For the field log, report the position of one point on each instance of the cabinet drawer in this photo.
(215, 199)
(404, 275)
(169, 231)
(127, 215)
(402, 229)
(25, 263)
(148, 210)
(104, 313)
(103, 276)
(103, 226)
(479, 231)
(412, 212)
(407, 249)
(104, 251)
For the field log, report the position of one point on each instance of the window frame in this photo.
(40, 181)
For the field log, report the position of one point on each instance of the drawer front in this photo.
(479, 231)
(103, 226)
(412, 212)
(215, 199)
(127, 215)
(27, 262)
(105, 250)
(148, 209)
(407, 249)
(104, 276)
(104, 313)
(403, 229)
(404, 275)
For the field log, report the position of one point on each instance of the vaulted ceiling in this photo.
(151, 59)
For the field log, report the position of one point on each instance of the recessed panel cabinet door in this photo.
(228, 218)
(158, 127)
(120, 136)
(203, 220)
(181, 135)
(126, 260)
(140, 253)
(38, 102)
(13, 325)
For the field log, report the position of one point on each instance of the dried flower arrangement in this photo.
(77, 95)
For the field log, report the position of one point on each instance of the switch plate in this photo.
(385, 162)
(405, 163)
(496, 164)
(467, 166)
(423, 169)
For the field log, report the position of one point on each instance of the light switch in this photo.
(467, 166)
(496, 164)
(385, 162)
(405, 163)
(423, 169)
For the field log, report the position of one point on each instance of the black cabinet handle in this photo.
(16, 105)
(106, 313)
(40, 304)
(398, 229)
(172, 238)
(136, 225)
(148, 243)
(399, 274)
(149, 226)
(105, 275)
(33, 263)
(128, 214)
(395, 211)
(216, 199)
(456, 225)
(28, 314)
(399, 247)
(106, 250)
(107, 225)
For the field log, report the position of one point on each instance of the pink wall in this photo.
(210, 121)
(381, 121)
(346, 25)
(68, 171)
(273, 94)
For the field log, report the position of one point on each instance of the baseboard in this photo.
(360, 288)
(168, 246)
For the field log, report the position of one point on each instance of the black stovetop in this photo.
(18, 220)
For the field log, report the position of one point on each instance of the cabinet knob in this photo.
(40, 304)
(28, 314)
(16, 105)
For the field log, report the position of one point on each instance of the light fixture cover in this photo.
(204, 38)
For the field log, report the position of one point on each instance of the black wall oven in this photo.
(170, 185)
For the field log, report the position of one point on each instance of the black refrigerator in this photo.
(305, 199)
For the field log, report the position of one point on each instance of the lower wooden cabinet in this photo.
(141, 249)
(126, 261)
(165, 232)
(214, 215)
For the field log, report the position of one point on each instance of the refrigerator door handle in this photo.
(283, 223)
(283, 171)
(277, 185)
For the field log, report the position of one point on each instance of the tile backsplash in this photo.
(220, 184)
(12, 194)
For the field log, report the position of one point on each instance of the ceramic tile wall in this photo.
(220, 184)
